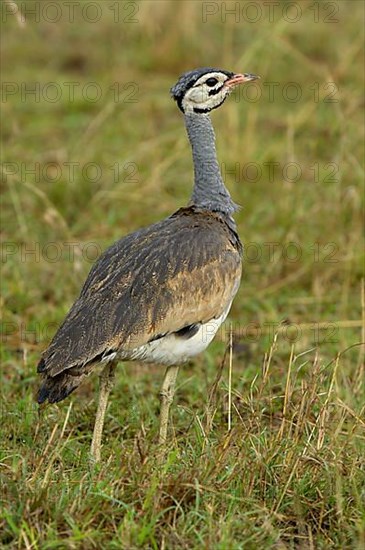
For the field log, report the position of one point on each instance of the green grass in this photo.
(291, 471)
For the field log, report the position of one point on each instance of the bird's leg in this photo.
(106, 383)
(167, 395)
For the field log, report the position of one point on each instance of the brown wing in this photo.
(183, 270)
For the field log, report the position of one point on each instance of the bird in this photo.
(159, 294)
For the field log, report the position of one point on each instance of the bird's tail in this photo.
(57, 388)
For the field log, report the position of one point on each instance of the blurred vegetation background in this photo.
(93, 148)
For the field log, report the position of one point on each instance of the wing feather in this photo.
(178, 272)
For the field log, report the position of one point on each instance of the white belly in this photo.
(174, 350)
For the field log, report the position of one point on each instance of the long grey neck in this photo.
(209, 190)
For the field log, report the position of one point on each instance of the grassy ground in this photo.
(80, 171)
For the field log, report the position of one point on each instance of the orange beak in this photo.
(240, 79)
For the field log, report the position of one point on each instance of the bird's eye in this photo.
(211, 81)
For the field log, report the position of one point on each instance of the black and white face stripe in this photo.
(207, 93)
(208, 109)
(215, 91)
(213, 80)
(201, 90)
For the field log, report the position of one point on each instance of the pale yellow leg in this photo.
(106, 383)
(167, 395)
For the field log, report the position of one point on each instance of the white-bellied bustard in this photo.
(160, 294)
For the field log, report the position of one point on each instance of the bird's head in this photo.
(202, 90)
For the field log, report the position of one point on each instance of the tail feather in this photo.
(41, 366)
(57, 388)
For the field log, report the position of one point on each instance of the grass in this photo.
(290, 471)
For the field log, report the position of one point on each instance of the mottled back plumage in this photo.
(155, 281)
